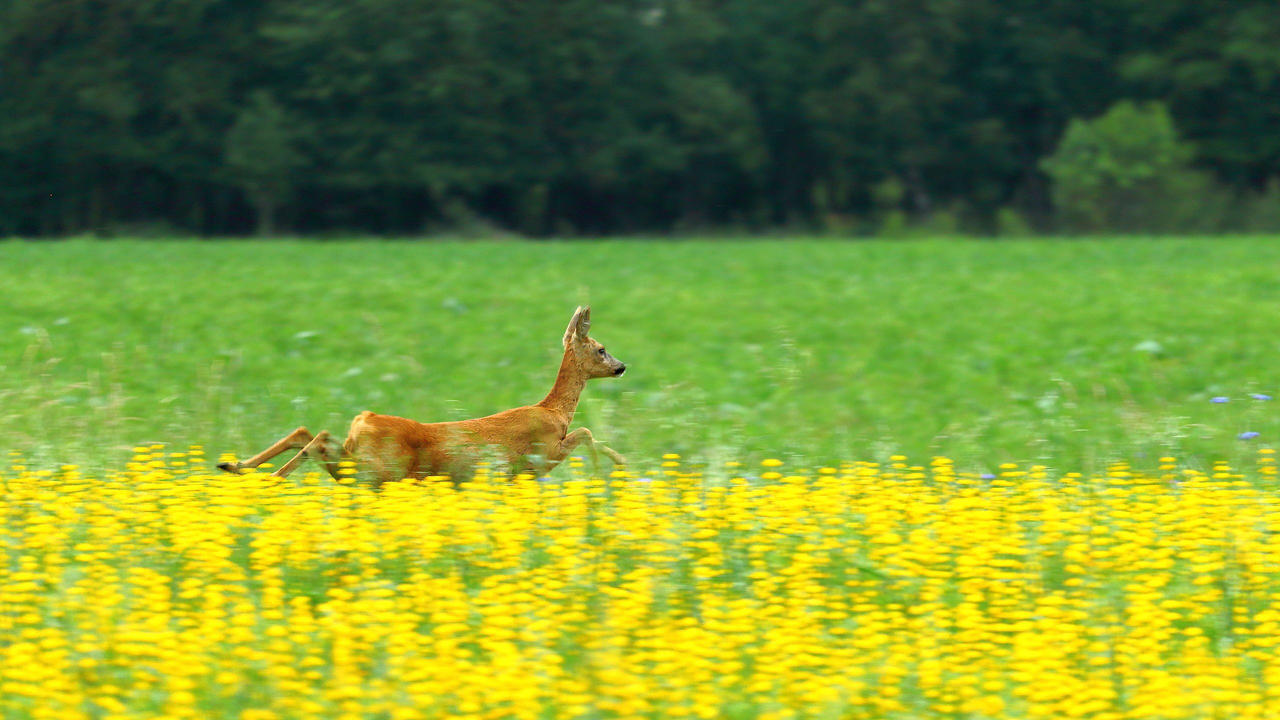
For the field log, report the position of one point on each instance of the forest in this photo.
(563, 118)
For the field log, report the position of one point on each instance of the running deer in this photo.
(531, 438)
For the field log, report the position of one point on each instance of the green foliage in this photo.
(548, 116)
(1012, 224)
(1219, 73)
(1070, 354)
(1260, 212)
(1126, 169)
(261, 155)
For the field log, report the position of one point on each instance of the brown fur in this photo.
(530, 438)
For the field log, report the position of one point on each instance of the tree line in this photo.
(562, 117)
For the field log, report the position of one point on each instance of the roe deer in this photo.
(534, 437)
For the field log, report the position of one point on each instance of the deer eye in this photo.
(601, 351)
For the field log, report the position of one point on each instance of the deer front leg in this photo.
(580, 435)
(297, 439)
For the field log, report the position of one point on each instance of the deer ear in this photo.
(583, 317)
(575, 324)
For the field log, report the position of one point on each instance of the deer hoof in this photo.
(233, 468)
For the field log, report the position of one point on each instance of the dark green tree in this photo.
(1127, 170)
(262, 156)
(1218, 70)
(562, 116)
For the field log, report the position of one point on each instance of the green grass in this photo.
(1064, 353)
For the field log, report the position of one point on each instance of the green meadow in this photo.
(1070, 354)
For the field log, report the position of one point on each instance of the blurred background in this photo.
(579, 117)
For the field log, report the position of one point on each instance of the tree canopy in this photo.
(546, 117)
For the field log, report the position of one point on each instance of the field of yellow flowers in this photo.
(858, 591)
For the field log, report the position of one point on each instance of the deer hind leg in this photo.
(581, 435)
(322, 449)
(293, 441)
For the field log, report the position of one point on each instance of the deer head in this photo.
(589, 356)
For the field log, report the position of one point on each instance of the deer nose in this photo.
(621, 369)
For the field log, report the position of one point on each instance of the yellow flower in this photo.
(855, 590)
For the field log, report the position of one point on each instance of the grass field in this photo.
(1070, 354)
(869, 480)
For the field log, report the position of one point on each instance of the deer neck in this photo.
(563, 398)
